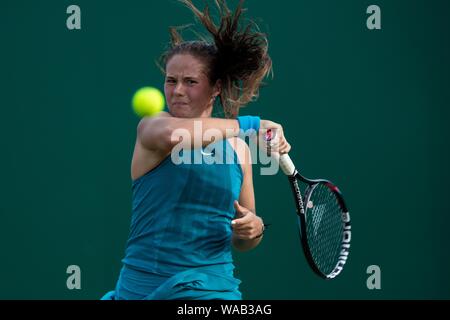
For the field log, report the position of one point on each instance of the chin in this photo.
(181, 112)
(187, 112)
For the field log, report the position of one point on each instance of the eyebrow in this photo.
(186, 77)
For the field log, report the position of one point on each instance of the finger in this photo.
(241, 227)
(244, 219)
(287, 149)
(273, 147)
(243, 235)
(270, 125)
(241, 222)
(238, 209)
(250, 223)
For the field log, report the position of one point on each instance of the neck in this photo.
(206, 113)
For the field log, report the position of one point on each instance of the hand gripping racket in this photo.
(324, 222)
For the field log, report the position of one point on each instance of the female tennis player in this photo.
(187, 216)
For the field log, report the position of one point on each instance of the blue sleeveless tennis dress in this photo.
(179, 246)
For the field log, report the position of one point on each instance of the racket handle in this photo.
(284, 160)
(286, 165)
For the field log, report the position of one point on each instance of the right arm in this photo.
(160, 133)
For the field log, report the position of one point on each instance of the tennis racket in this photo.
(323, 219)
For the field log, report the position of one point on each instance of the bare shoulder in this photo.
(144, 160)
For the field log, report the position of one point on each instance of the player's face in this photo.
(188, 91)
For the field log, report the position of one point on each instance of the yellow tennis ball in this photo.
(148, 101)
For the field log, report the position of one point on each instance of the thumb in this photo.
(239, 209)
(240, 213)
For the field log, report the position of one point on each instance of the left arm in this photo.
(247, 226)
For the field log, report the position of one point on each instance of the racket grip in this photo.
(284, 160)
(286, 165)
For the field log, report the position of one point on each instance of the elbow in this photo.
(155, 134)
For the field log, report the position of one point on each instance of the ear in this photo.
(217, 88)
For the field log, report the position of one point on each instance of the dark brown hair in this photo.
(238, 56)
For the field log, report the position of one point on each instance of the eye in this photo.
(191, 81)
(170, 80)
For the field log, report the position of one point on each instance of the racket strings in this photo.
(324, 228)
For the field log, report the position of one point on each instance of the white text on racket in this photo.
(343, 256)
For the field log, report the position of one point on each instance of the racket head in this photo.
(325, 229)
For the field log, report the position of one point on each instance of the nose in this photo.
(179, 89)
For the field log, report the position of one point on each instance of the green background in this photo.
(366, 109)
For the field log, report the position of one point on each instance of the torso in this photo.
(145, 160)
(182, 212)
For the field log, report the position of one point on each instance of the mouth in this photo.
(179, 104)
